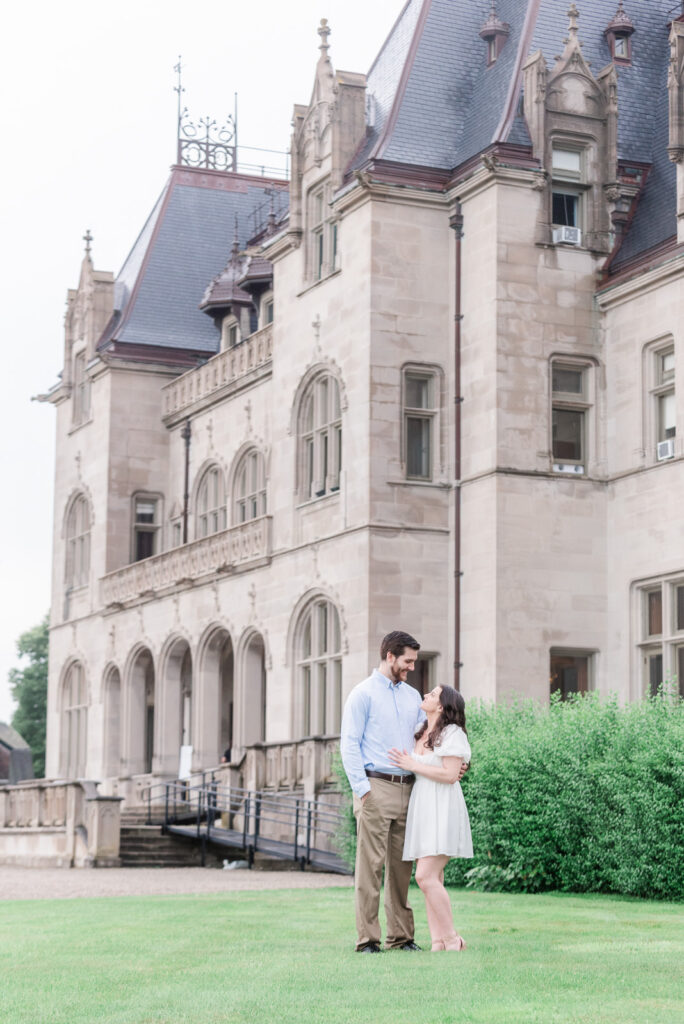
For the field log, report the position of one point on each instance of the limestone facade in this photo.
(253, 630)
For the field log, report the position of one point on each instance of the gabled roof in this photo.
(434, 103)
(181, 249)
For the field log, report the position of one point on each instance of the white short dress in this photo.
(437, 821)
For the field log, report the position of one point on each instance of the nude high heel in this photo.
(438, 946)
(454, 942)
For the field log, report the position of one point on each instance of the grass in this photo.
(287, 957)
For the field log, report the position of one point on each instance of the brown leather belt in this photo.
(404, 779)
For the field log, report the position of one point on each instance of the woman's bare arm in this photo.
(448, 772)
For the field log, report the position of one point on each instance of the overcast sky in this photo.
(88, 136)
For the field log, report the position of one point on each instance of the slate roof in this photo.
(181, 249)
(433, 102)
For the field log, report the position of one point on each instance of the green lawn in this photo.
(287, 957)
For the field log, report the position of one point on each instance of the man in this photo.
(382, 712)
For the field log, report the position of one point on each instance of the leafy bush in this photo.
(580, 796)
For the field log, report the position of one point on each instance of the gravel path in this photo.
(55, 883)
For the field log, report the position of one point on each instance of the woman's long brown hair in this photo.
(453, 713)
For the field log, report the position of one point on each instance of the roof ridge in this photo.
(391, 121)
(508, 115)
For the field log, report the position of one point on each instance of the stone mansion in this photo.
(435, 381)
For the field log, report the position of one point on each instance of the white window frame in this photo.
(77, 561)
(429, 414)
(210, 502)
(568, 182)
(249, 488)
(669, 641)
(323, 233)
(571, 401)
(230, 332)
(266, 309)
(320, 438)
(318, 668)
(153, 528)
(74, 747)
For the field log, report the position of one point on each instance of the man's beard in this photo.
(396, 674)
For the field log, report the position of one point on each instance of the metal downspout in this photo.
(456, 223)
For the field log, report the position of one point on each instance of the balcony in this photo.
(240, 547)
(224, 374)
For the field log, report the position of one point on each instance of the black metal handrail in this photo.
(282, 825)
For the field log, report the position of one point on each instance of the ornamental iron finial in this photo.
(324, 32)
(87, 238)
(205, 143)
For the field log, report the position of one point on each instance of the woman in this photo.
(437, 826)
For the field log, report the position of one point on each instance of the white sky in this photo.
(88, 135)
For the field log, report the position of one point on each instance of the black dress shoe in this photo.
(372, 947)
(412, 947)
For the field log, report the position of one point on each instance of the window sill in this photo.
(75, 427)
(322, 280)
(311, 502)
(441, 485)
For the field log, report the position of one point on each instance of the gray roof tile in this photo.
(182, 247)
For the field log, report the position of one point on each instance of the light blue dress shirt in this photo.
(378, 714)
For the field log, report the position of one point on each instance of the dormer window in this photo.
(266, 313)
(231, 332)
(495, 33)
(619, 36)
(567, 173)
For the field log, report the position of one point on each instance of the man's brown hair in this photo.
(395, 643)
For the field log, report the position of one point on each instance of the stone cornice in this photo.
(491, 172)
(615, 295)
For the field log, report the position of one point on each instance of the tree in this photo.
(29, 689)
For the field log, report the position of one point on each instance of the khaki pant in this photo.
(380, 827)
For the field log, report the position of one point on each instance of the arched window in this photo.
(250, 487)
(211, 502)
(74, 723)
(78, 543)
(320, 438)
(319, 669)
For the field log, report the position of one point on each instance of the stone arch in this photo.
(245, 449)
(316, 644)
(73, 704)
(138, 746)
(252, 661)
(321, 366)
(216, 705)
(111, 733)
(175, 716)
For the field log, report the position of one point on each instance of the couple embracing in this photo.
(404, 756)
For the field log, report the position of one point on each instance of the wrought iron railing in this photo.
(283, 826)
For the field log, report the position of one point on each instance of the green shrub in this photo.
(583, 795)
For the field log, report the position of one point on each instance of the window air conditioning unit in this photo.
(565, 467)
(567, 236)
(665, 449)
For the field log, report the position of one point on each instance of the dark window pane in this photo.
(564, 210)
(655, 613)
(569, 674)
(679, 602)
(568, 381)
(144, 544)
(144, 511)
(417, 393)
(567, 434)
(418, 447)
(655, 673)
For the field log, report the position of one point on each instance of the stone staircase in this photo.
(145, 846)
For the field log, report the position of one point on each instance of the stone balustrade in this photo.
(207, 383)
(231, 549)
(302, 764)
(58, 824)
